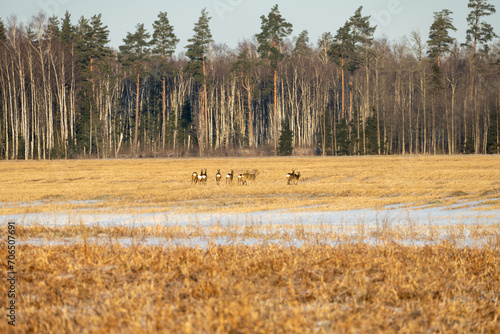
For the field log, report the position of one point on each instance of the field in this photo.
(325, 184)
(269, 264)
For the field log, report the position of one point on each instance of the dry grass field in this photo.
(351, 288)
(307, 277)
(325, 184)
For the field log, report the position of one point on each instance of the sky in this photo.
(236, 20)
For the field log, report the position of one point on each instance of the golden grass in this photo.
(325, 184)
(84, 279)
(352, 288)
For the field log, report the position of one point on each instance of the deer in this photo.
(292, 178)
(229, 177)
(218, 177)
(296, 177)
(243, 178)
(194, 177)
(289, 176)
(204, 176)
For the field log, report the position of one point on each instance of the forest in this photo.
(65, 93)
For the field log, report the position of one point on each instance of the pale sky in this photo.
(235, 20)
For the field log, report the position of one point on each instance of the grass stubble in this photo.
(158, 185)
(408, 278)
(263, 288)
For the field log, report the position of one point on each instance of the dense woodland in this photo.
(64, 93)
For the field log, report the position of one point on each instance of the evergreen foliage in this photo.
(135, 51)
(302, 47)
(439, 38)
(67, 30)
(362, 38)
(65, 93)
(274, 28)
(164, 39)
(285, 147)
(342, 47)
(198, 48)
(3, 37)
(479, 32)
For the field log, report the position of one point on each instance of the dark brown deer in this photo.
(194, 177)
(229, 177)
(218, 177)
(296, 178)
(289, 177)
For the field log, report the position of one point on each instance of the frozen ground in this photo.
(465, 213)
(462, 213)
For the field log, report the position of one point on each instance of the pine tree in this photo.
(99, 38)
(197, 54)
(362, 40)
(3, 35)
(362, 34)
(82, 37)
(439, 38)
(186, 131)
(340, 51)
(479, 32)
(302, 47)
(286, 139)
(274, 28)
(164, 42)
(53, 31)
(134, 53)
(91, 38)
(67, 30)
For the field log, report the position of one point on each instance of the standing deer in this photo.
(296, 178)
(289, 176)
(204, 176)
(218, 177)
(243, 178)
(292, 178)
(194, 177)
(229, 177)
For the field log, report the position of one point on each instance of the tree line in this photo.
(64, 93)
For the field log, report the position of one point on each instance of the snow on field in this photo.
(462, 213)
(353, 222)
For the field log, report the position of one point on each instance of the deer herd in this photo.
(201, 178)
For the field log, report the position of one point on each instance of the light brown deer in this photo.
(243, 178)
(218, 177)
(292, 178)
(202, 177)
(229, 177)
(194, 177)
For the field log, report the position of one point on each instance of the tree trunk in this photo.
(275, 119)
(136, 131)
(205, 101)
(163, 108)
